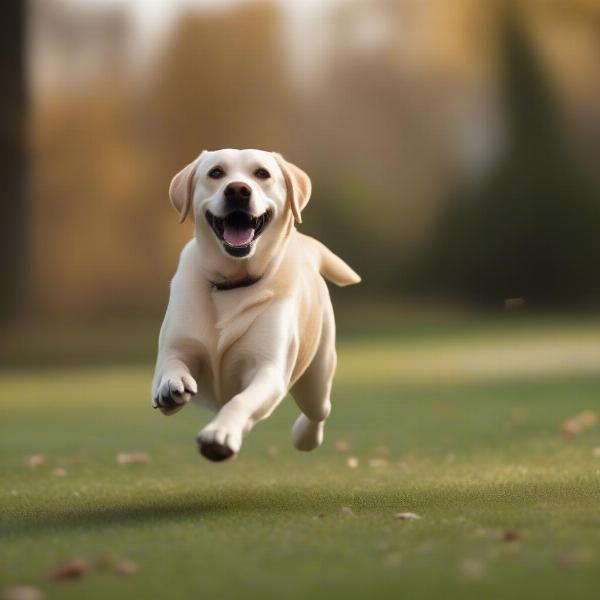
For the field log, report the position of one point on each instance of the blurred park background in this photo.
(453, 147)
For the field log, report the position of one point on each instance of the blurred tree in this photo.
(393, 99)
(220, 83)
(14, 225)
(531, 228)
(107, 143)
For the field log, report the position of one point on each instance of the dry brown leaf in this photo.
(511, 535)
(352, 462)
(59, 472)
(21, 592)
(347, 510)
(71, 569)
(406, 516)
(126, 567)
(577, 424)
(130, 458)
(36, 460)
(377, 463)
(342, 445)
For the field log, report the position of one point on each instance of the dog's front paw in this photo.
(219, 443)
(173, 393)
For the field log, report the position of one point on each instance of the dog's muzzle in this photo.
(238, 230)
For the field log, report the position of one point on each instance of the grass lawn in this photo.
(464, 431)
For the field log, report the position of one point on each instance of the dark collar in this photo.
(232, 285)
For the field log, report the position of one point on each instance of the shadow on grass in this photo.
(274, 501)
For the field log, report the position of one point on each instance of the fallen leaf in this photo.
(347, 510)
(126, 567)
(36, 460)
(472, 568)
(577, 424)
(511, 535)
(352, 462)
(71, 569)
(377, 463)
(406, 516)
(60, 472)
(342, 445)
(21, 592)
(273, 452)
(130, 458)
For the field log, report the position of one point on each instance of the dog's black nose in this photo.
(238, 194)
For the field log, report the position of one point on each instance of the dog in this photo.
(249, 317)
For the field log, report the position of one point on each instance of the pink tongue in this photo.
(235, 236)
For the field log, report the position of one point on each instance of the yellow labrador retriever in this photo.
(249, 315)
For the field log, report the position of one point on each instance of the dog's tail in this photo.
(332, 267)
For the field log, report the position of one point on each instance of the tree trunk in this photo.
(14, 226)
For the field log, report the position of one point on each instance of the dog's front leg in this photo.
(181, 348)
(222, 437)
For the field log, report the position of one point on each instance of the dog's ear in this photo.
(298, 186)
(181, 189)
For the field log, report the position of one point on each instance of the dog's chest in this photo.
(233, 314)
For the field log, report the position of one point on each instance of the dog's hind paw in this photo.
(306, 434)
(218, 444)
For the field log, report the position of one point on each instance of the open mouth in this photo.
(238, 230)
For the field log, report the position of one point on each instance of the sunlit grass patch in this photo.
(508, 506)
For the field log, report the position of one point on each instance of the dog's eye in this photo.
(262, 173)
(216, 173)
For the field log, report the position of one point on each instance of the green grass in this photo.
(472, 454)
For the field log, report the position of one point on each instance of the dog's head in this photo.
(240, 198)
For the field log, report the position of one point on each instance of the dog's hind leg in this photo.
(312, 391)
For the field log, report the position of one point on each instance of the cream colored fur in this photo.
(239, 351)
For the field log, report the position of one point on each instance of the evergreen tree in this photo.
(531, 228)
